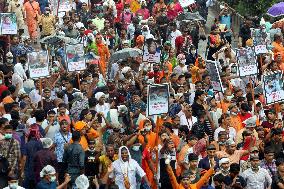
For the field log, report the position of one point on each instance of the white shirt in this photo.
(173, 36)
(186, 121)
(257, 180)
(132, 168)
(232, 133)
(52, 129)
(103, 108)
(7, 116)
(19, 187)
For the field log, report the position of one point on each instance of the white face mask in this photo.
(52, 178)
(135, 148)
(10, 60)
(149, 128)
(193, 52)
(229, 98)
(13, 185)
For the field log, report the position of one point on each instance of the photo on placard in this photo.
(273, 87)
(75, 57)
(151, 52)
(260, 40)
(8, 23)
(212, 69)
(158, 99)
(246, 61)
(38, 64)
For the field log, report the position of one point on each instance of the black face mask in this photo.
(22, 61)
(218, 187)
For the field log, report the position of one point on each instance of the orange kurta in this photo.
(32, 13)
(278, 48)
(104, 57)
(235, 121)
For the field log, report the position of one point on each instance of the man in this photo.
(224, 164)
(50, 124)
(250, 125)
(92, 160)
(32, 13)
(186, 118)
(174, 33)
(107, 159)
(44, 157)
(235, 120)
(47, 23)
(205, 162)
(234, 177)
(268, 162)
(231, 152)
(247, 164)
(10, 150)
(275, 141)
(256, 177)
(60, 141)
(48, 179)
(126, 169)
(244, 113)
(277, 45)
(74, 157)
(245, 33)
(13, 183)
(71, 31)
(277, 181)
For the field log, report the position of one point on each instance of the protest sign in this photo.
(38, 64)
(211, 67)
(75, 57)
(151, 52)
(186, 3)
(260, 40)
(8, 23)
(158, 99)
(247, 63)
(273, 87)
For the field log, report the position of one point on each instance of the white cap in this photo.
(46, 142)
(125, 69)
(82, 182)
(224, 160)
(9, 54)
(47, 170)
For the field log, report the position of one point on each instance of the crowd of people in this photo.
(91, 129)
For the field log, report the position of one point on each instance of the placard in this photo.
(158, 99)
(38, 64)
(75, 57)
(260, 40)
(151, 52)
(273, 87)
(8, 23)
(247, 63)
(211, 67)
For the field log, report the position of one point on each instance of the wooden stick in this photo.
(40, 92)
(78, 79)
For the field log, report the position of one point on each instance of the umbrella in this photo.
(125, 53)
(276, 10)
(187, 16)
(55, 39)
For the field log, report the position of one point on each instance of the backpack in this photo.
(4, 163)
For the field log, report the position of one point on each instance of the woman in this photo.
(19, 76)
(125, 170)
(174, 9)
(215, 42)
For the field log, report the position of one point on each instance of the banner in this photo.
(38, 64)
(211, 67)
(247, 63)
(151, 52)
(260, 40)
(186, 3)
(158, 99)
(75, 57)
(273, 87)
(8, 23)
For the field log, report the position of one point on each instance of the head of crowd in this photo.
(136, 94)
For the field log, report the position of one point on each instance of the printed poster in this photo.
(247, 63)
(260, 40)
(38, 64)
(75, 57)
(273, 87)
(151, 52)
(8, 23)
(186, 3)
(211, 67)
(158, 99)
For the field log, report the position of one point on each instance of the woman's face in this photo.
(124, 155)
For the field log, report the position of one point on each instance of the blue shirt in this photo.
(226, 19)
(60, 140)
(46, 185)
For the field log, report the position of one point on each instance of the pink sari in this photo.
(174, 9)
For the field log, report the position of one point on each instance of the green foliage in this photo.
(251, 7)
